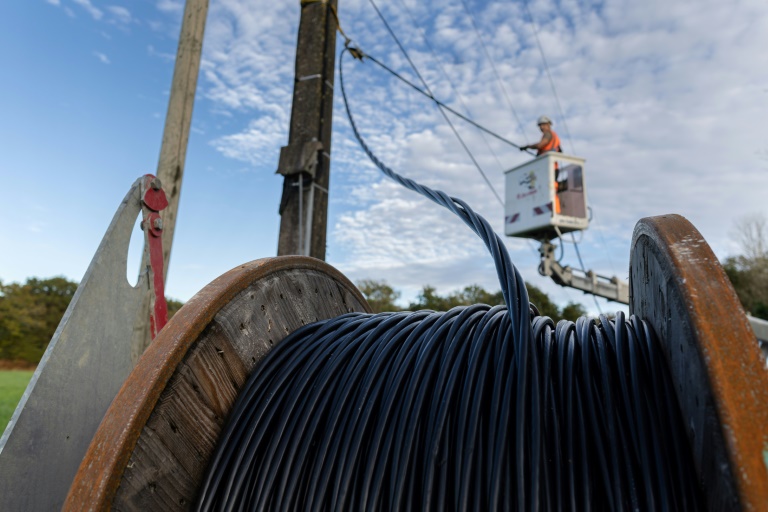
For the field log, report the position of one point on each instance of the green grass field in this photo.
(12, 386)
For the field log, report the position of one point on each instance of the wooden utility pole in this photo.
(173, 151)
(305, 162)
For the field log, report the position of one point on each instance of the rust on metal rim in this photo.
(101, 469)
(722, 383)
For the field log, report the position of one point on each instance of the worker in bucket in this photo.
(549, 139)
(549, 142)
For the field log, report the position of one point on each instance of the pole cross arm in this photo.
(299, 158)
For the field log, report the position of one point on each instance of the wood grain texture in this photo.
(679, 287)
(152, 448)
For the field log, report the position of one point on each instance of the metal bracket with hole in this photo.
(84, 366)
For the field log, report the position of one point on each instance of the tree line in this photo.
(31, 312)
(382, 297)
(748, 272)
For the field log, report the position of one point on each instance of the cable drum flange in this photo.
(153, 444)
(677, 284)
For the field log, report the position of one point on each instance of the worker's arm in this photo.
(539, 145)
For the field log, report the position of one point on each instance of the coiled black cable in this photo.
(477, 408)
(421, 411)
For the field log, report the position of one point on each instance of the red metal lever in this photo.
(153, 201)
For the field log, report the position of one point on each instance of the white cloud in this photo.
(120, 14)
(54, 2)
(102, 58)
(664, 99)
(168, 57)
(88, 6)
(170, 5)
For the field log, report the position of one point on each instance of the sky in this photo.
(666, 100)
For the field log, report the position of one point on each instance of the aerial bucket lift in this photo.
(545, 198)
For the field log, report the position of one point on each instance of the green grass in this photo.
(12, 386)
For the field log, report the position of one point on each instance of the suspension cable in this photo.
(447, 78)
(428, 93)
(493, 66)
(445, 116)
(437, 101)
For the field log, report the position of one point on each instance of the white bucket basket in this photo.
(535, 207)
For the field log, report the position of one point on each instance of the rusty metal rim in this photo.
(119, 431)
(735, 373)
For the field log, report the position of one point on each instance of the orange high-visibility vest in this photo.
(552, 145)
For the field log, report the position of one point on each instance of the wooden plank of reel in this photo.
(154, 442)
(677, 284)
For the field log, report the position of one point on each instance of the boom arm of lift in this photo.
(611, 288)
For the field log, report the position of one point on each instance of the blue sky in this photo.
(665, 100)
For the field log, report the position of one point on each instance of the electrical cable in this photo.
(437, 101)
(447, 78)
(493, 66)
(428, 93)
(359, 54)
(549, 75)
(583, 269)
(477, 408)
(445, 116)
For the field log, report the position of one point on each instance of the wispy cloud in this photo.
(120, 14)
(54, 2)
(168, 57)
(89, 7)
(102, 58)
(170, 5)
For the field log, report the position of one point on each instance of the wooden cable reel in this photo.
(152, 447)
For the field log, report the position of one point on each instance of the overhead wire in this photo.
(493, 66)
(426, 91)
(447, 78)
(445, 116)
(366, 56)
(549, 74)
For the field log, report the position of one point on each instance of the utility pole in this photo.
(173, 151)
(305, 162)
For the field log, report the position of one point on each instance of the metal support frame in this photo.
(86, 362)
